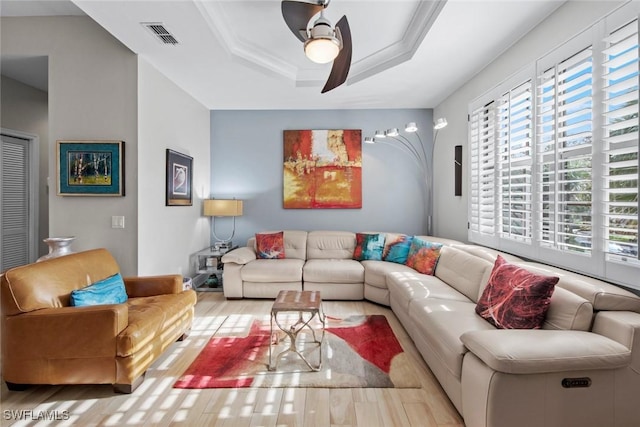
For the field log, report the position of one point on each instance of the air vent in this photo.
(160, 32)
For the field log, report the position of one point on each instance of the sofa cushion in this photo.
(107, 291)
(375, 272)
(568, 311)
(333, 271)
(330, 245)
(487, 253)
(465, 272)
(270, 245)
(149, 317)
(406, 286)
(423, 255)
(441, 323)
(515, 298)
(272, 270)
(396, 248)
(368, 247)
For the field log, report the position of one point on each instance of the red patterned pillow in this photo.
(515, 298)
(270, 245)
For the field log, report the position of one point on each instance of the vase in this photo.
(58, 246)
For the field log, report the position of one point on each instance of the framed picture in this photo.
(90, 168)
(322, 169)
(179, 179)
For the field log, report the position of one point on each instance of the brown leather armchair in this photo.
(47, 341)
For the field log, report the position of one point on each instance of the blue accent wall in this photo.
(247, 158)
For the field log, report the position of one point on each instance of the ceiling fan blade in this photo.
(342, 63)
(298, 14)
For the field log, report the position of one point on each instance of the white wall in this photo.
(25, 109)
(573, 17)
(169, 118)
(92, 95)
(247, 163)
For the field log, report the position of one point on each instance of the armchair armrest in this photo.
(153, 285)
(240, 256)
(623, 327)
(65, 332)
(519, 351)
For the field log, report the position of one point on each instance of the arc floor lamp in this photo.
(417, 151)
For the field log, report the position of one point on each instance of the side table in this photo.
(208, 267)
(308, 305)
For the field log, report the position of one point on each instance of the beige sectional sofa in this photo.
(581, 369)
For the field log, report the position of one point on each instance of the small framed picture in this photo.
(179, 179)
(90, 168)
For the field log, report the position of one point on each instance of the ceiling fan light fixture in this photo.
(322, 46)
(322, 50)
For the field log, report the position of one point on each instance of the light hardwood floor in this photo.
(156, 403)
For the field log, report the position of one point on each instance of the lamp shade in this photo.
(222, 207)
(411, 127)
(440, 123)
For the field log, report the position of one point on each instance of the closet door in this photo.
(16, 236)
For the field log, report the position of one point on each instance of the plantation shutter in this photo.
(620, 77)
(515, 162)
(564, 153)
(482, 222)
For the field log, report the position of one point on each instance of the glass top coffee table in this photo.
(308, 306)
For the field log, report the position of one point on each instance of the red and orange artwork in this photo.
(322, 169)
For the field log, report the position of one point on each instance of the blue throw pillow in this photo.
(108, 291)
(396, 248)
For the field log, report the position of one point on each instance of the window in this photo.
(554, 155)
(482, 193)
(515, 162)
(620, 142)
(564, 153)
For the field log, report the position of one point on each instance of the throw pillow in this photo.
(515, 298)
(368, 247)
(270, 245)
(108, 291)
(423, 256)
(396, 248)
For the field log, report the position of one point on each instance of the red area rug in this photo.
(359, 351)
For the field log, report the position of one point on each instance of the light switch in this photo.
(117, 222)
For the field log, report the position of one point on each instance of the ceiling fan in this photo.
(322, 43)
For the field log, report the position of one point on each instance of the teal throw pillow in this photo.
(396, 248)
(369, 247)
(108, 291)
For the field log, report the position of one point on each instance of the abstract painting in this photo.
(322, 169)
(90, 168)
